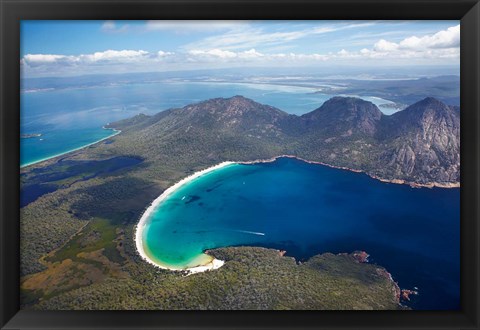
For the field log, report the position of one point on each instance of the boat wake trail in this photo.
(250, 232)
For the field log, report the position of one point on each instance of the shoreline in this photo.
(138, 237)
(216, 263)
(313, 90)
(395, 181)
(116, 132)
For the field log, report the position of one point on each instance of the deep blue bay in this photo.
(307, 209)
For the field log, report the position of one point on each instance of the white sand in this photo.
(212, 263)
(76, 149)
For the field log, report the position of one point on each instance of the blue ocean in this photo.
(71, 118)
(307, 209)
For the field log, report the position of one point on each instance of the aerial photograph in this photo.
(240, 165)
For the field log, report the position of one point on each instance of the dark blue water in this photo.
(308, 209)
(45, 180)
(72, 118)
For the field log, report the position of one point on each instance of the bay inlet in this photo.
(308, 209)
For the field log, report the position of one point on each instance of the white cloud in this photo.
(440, 47)
(114, 55)
(112, 27)
(43, 58)
(161, 53)
(108, 26)
(84, 61)
(339, 27)
(384, 46)
(298, 58)
(50, 60)
(184, 27)
(248, 38)
(105, 56)
(252, 53)
(245, 36)
(444, 39)
(216, 53)
(252, 56)
(444, 45)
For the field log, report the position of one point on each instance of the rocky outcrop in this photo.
(361, 256)
(424, 143)
(405, 294)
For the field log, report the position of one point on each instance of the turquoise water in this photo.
(72, 118)
(308, 209)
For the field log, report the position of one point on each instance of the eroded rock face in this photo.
(420, 144)
(426, 143)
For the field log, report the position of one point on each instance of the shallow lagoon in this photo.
(308, 209)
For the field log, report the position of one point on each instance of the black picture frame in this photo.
(13, 11)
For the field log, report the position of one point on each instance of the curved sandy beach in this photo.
(212, 263)
(116, 132)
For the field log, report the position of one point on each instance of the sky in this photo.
(70, 48)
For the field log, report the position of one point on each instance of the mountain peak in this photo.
(237, 113)
(242, 101)
(346, 99)
(429, 116)
(351, 105)
(429, 105)
(227, 102)
(349, 114)
(239, 98)
(430, 101)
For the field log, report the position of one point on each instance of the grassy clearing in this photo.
(98, 234)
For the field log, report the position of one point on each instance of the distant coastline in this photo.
(116, 132)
